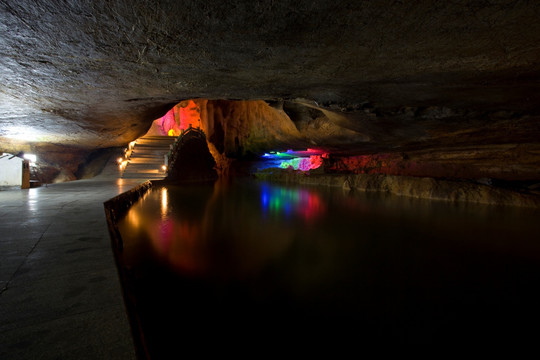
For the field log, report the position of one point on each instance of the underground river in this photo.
(252, 260)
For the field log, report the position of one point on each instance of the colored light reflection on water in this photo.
(291, 201)
(248, 260)
(183, 229)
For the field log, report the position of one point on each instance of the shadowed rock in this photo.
(192, 161)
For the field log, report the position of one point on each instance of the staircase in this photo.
(148, 157)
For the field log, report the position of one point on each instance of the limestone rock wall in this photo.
(235, 127)
(379, 76)
(510, 162)
(415, 187)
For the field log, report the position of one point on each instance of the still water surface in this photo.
(257, 260)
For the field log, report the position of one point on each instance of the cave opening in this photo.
(251, 131)
(183, 115)
(378, 164)
(264, 137)
(277, 245)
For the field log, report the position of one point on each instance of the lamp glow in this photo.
(31, 157)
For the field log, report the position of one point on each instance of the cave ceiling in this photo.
(94, 74)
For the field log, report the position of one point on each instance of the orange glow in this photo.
(180, 117)
(133, 219)
(164, 202)
(182, 235)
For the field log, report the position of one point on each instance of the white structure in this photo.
(14, 171)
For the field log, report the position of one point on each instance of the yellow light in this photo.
(133, 218)
(164, 202)
(164, 167)
(120, 160)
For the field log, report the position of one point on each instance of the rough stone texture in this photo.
(419, 188)
(509, 162)
(504, 150)
(391, 74)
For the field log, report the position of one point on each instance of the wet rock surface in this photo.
(408, 186)
(353, 77)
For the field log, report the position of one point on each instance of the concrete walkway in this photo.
(60, 296)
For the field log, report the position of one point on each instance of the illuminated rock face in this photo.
(353, 77)
(182, 116)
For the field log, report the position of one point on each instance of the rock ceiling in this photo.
(94, 74)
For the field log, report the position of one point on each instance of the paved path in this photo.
(60, 296)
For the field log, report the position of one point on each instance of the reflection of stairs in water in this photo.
(147, 158)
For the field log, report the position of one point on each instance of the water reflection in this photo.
(210, 231)
(279, 200)
(164, 203)
(312, 261)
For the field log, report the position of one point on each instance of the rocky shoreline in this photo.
(415, 187)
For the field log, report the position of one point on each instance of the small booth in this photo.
(14, 171)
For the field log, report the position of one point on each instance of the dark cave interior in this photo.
(446, 91)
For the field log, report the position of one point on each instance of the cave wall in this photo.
(235, 127)
(485, 164)
(387, 76)
(494, 146)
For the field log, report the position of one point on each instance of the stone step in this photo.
(153, 143)
(146, 177)
(142, 174)
(156, 141)
(155, 137)
(146, 161)
(147, 158)
(144, 169)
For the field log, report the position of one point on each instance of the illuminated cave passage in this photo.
(285, 250)
(182, 116)
(376, 161)
(252, 129)
(266, 136)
